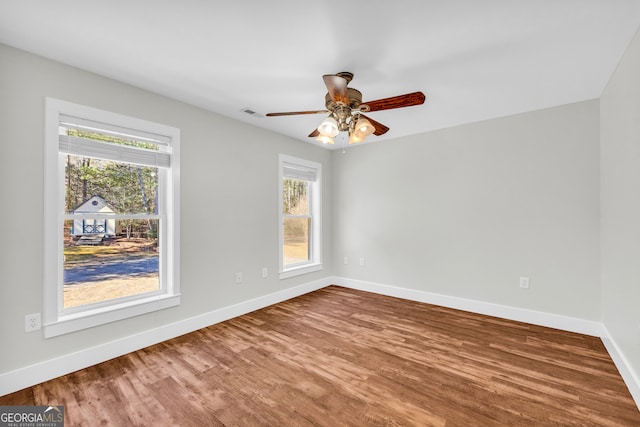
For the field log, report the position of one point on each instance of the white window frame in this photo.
(57, 320)
(315, 209)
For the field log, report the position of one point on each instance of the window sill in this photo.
(299, 270)
(99, 316)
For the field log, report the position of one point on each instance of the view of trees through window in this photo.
(111, 226)
(297, 221)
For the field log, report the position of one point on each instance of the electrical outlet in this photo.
(361, 262)
(265, 273)
(524, 282)
(32, 322)
(346, 260)
(238, 278)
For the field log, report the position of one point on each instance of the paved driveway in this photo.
(111, 270)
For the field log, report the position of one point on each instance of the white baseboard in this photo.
(550, 320)
(630, 377)
(571, 324)
(35, 374)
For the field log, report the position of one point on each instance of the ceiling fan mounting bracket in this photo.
(345, 75)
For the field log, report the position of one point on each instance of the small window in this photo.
(296, 222)
(300, 199)
(111, 217)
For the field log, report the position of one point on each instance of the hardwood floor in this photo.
(340, 357)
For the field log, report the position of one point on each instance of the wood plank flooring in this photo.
(340, 357)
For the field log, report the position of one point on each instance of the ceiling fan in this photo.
(345, 107)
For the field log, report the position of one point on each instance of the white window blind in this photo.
(299, 172)
(79, 123)
(109, 151)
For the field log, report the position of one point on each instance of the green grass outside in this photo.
(82, 254)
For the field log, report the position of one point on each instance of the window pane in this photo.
(295, 197)
(296, 240)
(100, 267)
(105, 186)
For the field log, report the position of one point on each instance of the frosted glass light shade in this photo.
(329, 127)
(325, 139)
(363, 128)
(354, 139)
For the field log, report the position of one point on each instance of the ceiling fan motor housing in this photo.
(341, 112)
(354, 96)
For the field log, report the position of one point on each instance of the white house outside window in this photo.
(300, 202)
(111, 217)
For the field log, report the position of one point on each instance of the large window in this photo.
(111, 217)
(300, 198)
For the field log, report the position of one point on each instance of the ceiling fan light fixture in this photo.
(329, 127)
(325, 139)
(353, 139)
(363, 128)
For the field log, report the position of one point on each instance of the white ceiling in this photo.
(473, 59)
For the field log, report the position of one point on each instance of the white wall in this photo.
(466, 211)
(229, 212)
(620, 165)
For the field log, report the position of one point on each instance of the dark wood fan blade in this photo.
(293, 113)
(414, 98)
(380, 128)
(314, 133)
(337, 87)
